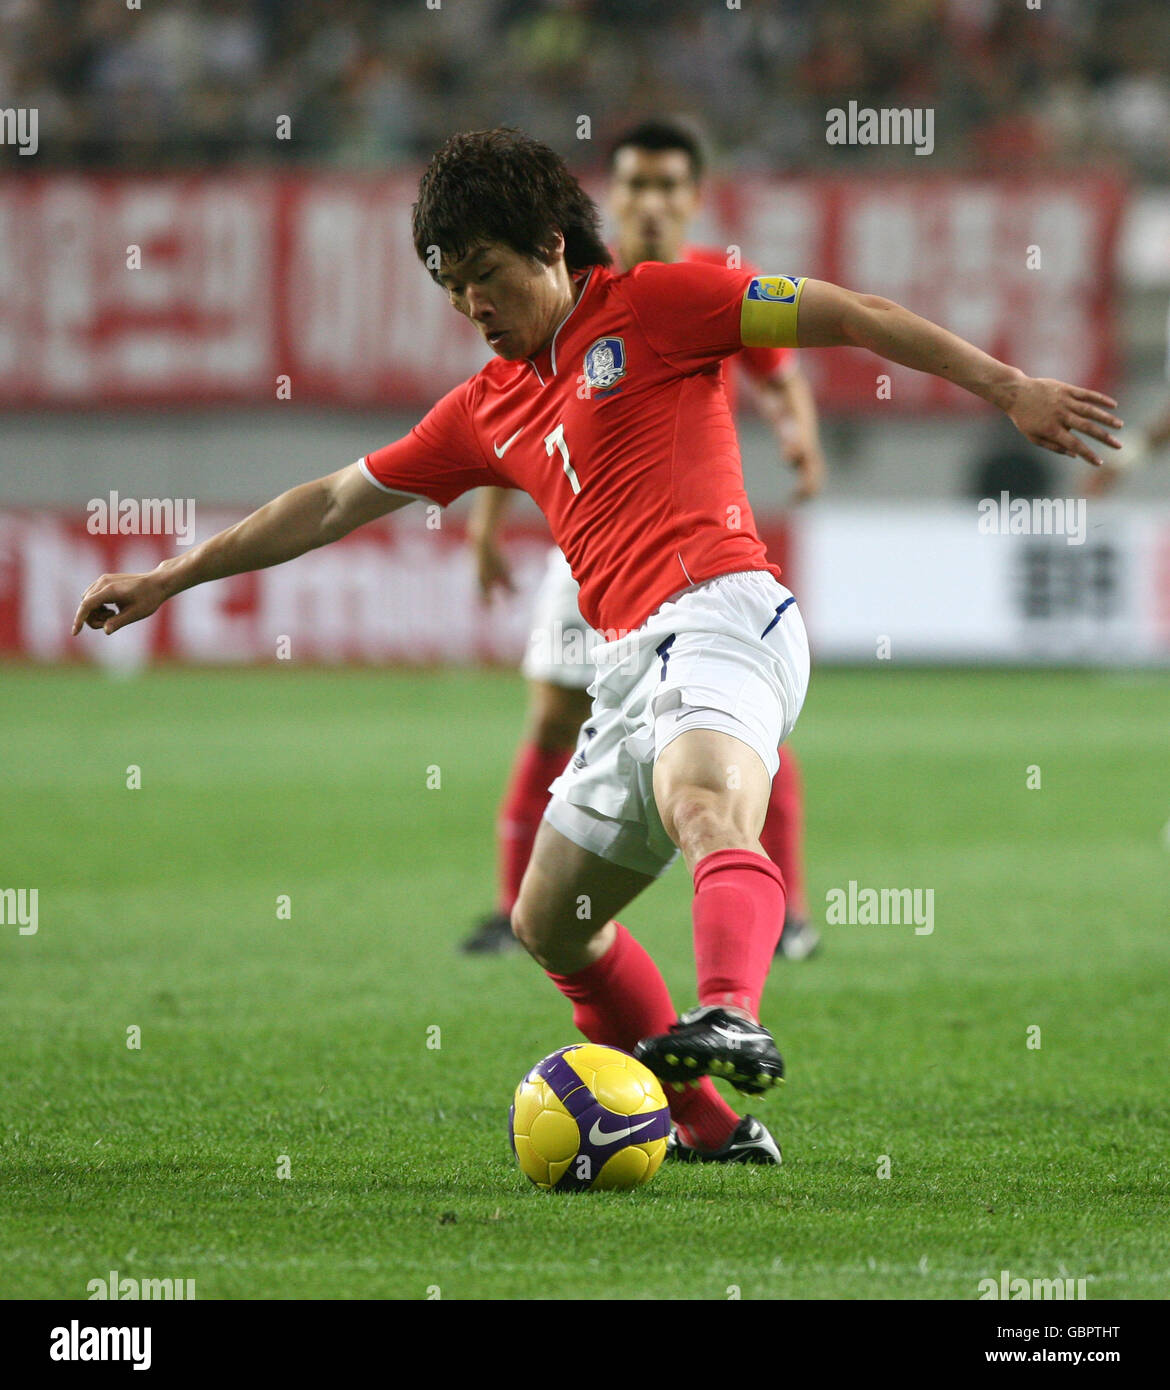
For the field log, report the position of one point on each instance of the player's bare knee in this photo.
(555, 715)
(512, 922)
(526, 926)
(537, 940)
(550, 735)
(693, 814)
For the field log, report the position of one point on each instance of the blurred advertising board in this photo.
(876, 584)
(254, 287)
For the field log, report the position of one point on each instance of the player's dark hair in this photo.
(501, 185)
(661, 135)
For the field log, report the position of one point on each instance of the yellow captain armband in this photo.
(768, 316)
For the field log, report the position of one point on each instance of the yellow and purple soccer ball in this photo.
(589, 1118)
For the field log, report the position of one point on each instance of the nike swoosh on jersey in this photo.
(597, 1135)
(507, 443)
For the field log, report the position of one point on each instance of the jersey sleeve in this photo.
(694, 314)
(440, 459)
(689, 311)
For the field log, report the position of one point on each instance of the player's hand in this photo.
(1046, 412)
(491, 569)
(115, 600)
(809, 465)
(801, 450)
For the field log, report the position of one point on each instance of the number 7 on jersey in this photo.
(556, 440)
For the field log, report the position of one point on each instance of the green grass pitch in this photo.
(306, 1036)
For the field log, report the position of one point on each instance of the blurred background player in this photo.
(656, 170)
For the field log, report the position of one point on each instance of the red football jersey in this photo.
(760, 363)
(620, 431)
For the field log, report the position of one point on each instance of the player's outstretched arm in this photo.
(304, 518)
(1045, 411)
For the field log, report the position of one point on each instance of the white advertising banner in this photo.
(1055, 580)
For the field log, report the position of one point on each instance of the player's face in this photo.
(654, 197)
(514, 301)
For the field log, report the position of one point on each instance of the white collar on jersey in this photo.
(552, 354)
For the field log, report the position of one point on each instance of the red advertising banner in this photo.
(393, 592)
(189, 289)
(1024, 270)
(122, 291)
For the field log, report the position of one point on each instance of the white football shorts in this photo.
(730, 653)
(561, 644)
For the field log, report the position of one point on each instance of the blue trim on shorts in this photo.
(779, 613)
(663, 650)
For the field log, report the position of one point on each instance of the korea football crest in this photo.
(605, 363)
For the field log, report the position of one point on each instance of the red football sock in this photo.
(783, 833)
(622, 998)
(520, 812)
(738, 912)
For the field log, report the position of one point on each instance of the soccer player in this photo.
(605, 402)
(656, 172)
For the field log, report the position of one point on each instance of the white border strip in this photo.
(393, 491)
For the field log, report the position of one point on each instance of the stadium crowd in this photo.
(371, 82)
